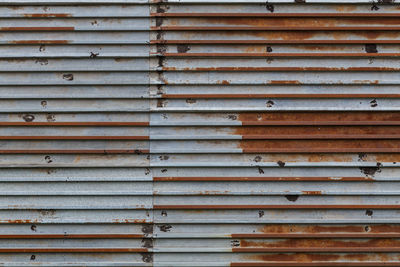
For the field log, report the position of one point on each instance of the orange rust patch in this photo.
(312, 192)
(285, 82)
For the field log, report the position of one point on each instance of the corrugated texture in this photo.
(75, 183)
(278, 129)
(195, 133)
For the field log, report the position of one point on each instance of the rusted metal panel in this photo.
(199, 133)
(274, 135)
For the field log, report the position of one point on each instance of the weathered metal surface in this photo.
(199, 133)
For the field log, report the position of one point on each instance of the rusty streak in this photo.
(37, 28)
(256, 179)
(300, 41)
(285, 69)
(317, 235)
(74, 137)
(313, 15)
(235, 207)
(272, 55)
(316, 264)
(223, 96)
(46, 15)
(274, 28)
(317, 249)
(76, 151)
(72, 236)
(72, 250)
(89, 123)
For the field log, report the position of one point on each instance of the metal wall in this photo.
(199, 133)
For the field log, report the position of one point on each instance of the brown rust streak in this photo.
(46, 15)
(72, 250)
(275, 41)
(316, 264)
(78, 124)
(274, 179)
(40, 42)
(317, 132)
(72, 236)
(223, 96)
(343, 146)
(82, 151)
(272, 55)
(74, 137)
(296, 15)
(234, 207)
(320, 118)
(316, 236)
(392, 229)
(37, 28)
(273, 28)
(310, 244)
(285, 69)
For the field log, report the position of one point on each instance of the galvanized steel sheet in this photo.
(199, 133)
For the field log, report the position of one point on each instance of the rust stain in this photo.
(37, 28)
(322, 243)
(40, 42)
(48, 15)
(346, 8)
(312, 192)
(284, 82)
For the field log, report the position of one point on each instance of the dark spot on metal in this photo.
(146, 171)
(270, 103)
(50, 117)
(165, 227)
(42, 61)
(235, 243)
(160, 35)
(182, 48)
(269, 49)
(232, 117)
(94, 22)
(68, 77)
(28, 117)
(93, 55)
(385, 1)
(33, 227)
(33, 257)
(147, 243)
(160, 90)
(162, 8)
(292, 198)
(260, 213)
(281, 164)
(367, 228)
(147, 257)
(371, 171)
(48, 159)
(43, 103)
(147, 229)
(138, 152)
(164, 170)
(369, 212)
(300, 1)
(261, 171)
(191, 101)
(164, 157)
(374, 103)
(161, 48)
(362, 156)
(371, 48)
(159, 21)
(270, 7)
(164, 213)
(257, 158)
(160, 103)
(42, 48)
(374, 7)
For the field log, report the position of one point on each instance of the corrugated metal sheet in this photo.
(199, 133)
